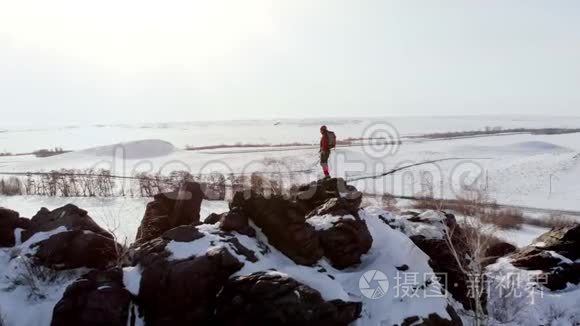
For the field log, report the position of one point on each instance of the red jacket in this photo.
(324, 146)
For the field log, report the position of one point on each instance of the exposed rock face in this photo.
(270, 298)
(315, 194)
(435, 320)
(234, 220)
(348, 238)
(10, 221)
(283, 222)
(498, 250)
(170, 210)
(69, 216)
(556, 253)
(74, 249)
(183, 292)
(426, 231)
(98, 298)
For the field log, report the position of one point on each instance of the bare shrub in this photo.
(389, 202)
(505, 218)
(469, 249)
(11, 187)
(554, 220)
(35, 277)
(477, 203)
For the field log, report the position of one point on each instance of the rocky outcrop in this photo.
(170, 210)
(435, 320)
(69, 216)
(427, 231)
(311, 196)
(74, 249)
(343, 235)
(183, 291)
(98, 298)
(234, 220)
(10, 221)
(557, 254)
(284, 223)
(271, 298)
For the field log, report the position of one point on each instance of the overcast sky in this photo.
(115, 61)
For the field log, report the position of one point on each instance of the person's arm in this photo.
(324, 146)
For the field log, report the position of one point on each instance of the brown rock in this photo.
(69, 216)
(273, 299)
(170, 210)
(98, 298)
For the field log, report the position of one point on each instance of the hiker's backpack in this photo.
(331, 139)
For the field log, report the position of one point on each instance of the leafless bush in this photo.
(11, 187)
(34, 277)
(389, 202)
(554, 220)
(49, 152)
(505, 218)
(475, 203)
(469, 246)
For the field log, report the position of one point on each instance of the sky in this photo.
(77, 61)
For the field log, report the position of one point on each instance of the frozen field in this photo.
(537, 171)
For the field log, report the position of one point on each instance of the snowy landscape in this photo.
(399, 166)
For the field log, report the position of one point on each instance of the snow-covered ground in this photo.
(539, 171)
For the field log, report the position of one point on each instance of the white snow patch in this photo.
(132, 279)
(325, 222)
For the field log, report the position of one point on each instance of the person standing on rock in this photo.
(327, 142)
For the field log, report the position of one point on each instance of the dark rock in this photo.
(337, 207)
(435, 320)
(345, 242)
(74, 249)
(559, 278)
(284, 224)
(317, 193)
(10, 221)
(441, 259)
(234, 220)
(533, 258)
(545, 254)
(267, 298)
(498, 250)
(99, 298)
(183, 233)
(69, 216)
(183, 292)
(170, 210)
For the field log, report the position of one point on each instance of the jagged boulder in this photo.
(344, 236)
(428, 232)
(271, 298)
(284, 224)
(315, 194)
(10, 221)
(98, 298)
(234, 220)
(182, 291)
(557, 254)
(170, 210)
(69, 216)
(74, 249)
(435, 320)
